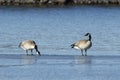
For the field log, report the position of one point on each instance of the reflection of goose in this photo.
(26, 60)
(29, 45)
(83, 44)
(82, 60)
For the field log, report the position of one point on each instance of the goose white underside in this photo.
(76, 47)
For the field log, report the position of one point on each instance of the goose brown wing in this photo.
(81, 42)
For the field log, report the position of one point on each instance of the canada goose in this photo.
(83, 44)
(29, 45)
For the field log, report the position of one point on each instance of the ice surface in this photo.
(59, 67)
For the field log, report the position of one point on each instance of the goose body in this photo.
(83, 45)
(29, 45)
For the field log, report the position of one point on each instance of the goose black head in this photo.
(87, 34)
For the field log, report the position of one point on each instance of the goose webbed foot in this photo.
(31, 54)
(82, 54)
(85, 54)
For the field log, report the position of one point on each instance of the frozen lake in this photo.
(54, 30)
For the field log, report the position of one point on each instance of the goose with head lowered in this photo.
(29, 45)
(83, 45)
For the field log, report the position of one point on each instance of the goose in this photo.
(83, 45)
(29, 45)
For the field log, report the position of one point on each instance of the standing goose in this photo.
(83, 44)
(29, 45)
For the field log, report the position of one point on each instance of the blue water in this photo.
(57, 28)
(54, 30)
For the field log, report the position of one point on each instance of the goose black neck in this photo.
(37, 49)
(89, 37)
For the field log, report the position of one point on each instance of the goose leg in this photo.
(82, 52)
(31, 52)
(27, 52)
(85, 52)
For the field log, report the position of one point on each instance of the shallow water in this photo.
(54, 30)
(65, 67)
